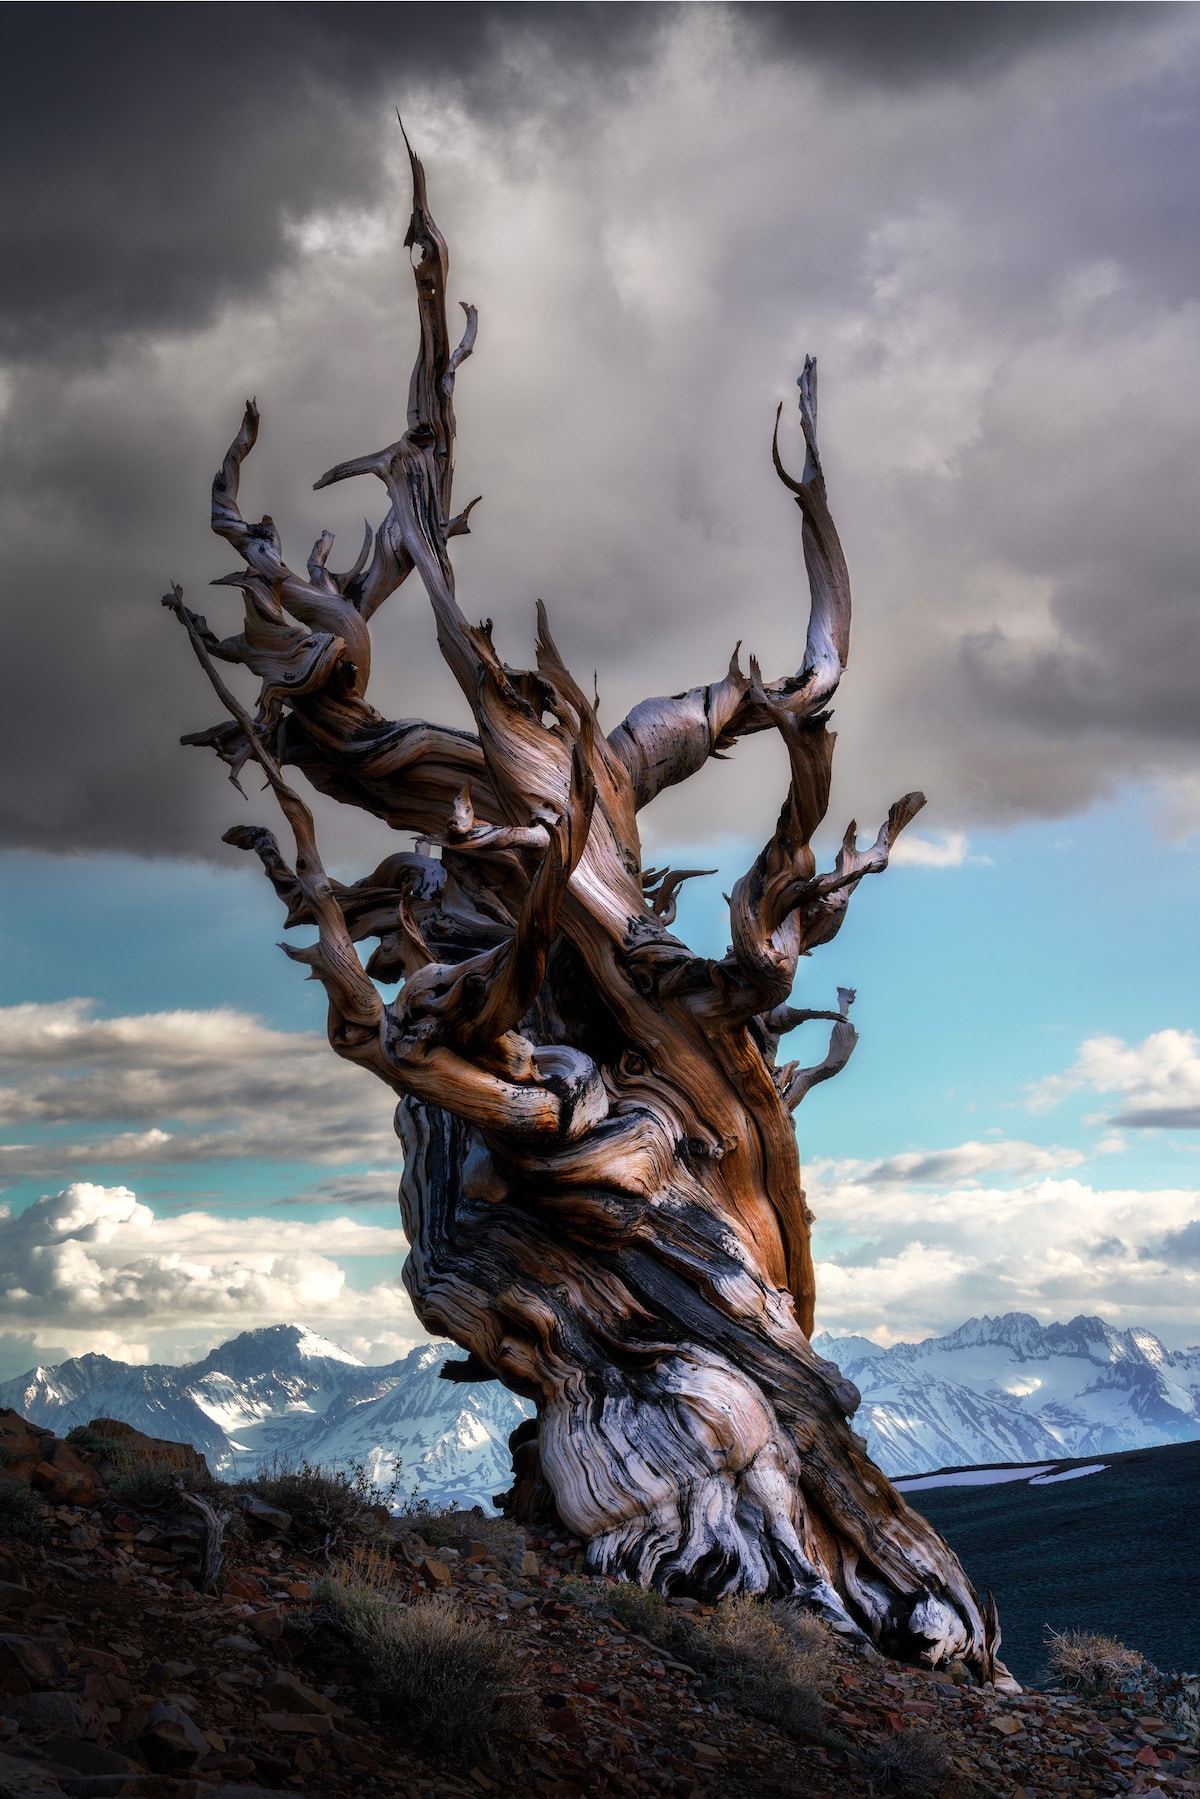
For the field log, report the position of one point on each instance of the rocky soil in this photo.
(118, 1675)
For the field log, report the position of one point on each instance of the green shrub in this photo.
(440, 1529)
(646, 1612)
(330, 1503)
(22, 1513)
(144, 1483)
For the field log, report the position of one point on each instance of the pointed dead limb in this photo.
(663, 741)
(842, 1039)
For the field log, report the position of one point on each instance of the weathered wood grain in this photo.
(601, 1185)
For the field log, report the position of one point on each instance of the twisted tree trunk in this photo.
(601, 1183)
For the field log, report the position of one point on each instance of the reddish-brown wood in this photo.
(601, 1183)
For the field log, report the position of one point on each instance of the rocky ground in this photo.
(118, 1675)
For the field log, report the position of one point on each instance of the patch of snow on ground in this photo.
(1048, 1480)
(973, 1477)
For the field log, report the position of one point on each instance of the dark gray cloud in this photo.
(900, 44)
(1182, 1245)
(983, 218)
(161, 148)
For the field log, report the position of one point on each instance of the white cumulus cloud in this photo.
(92, 1268)
(898, 1260)
(944, 849)
(1158, 1080)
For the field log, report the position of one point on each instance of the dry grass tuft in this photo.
(758, 1657)
(755, 1660)
(915, 1765)
(1084, 1662)
(455, 1529)
(809, 1634)
(430, 1665)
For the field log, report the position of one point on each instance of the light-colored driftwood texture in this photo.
(601, 1183)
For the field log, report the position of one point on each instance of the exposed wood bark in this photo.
(601, 1181)
(212, 1548)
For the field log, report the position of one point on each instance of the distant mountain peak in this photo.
(273, 1347)
(1002, 1389)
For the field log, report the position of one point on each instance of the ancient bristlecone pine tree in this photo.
(601, 1184)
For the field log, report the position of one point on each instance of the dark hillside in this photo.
(1117, 1552)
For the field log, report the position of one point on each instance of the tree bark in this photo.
(601, 1183)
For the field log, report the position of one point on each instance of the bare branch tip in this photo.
(789, 481)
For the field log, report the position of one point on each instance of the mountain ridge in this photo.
(1002, 1389)
(1010, 1389)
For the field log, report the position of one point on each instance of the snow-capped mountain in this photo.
(995, 1390)
(287, 1393)
(1011, 1389)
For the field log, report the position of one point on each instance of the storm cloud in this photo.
(982, 219)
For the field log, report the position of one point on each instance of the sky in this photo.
(982, 220)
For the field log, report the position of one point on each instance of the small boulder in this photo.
(171, 1741)
(35, 1658)
(87, 1758)
(56, 1714)
(284, 1693)
(22, 1779)
(251, 1506)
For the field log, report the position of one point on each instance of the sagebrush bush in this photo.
(331, 1503)
(756, 1656)
(756, 1663)
(144, 1483)
(22, 1513)
(1085, 1662)
(429, 1664)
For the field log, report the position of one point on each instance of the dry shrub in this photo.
(755, 1661)
(430, 1665)
(757, 1657)
(22, 1513)
(1084, 1662)
(915, 1764)
(328, 1503)
(809, 1634)
(455, 1529)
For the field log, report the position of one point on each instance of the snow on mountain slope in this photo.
(450, 1440)
(287, 1393)
(1010, 1389)
(151, 1398)
(994, 1390)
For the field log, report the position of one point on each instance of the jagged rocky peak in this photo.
(1018, 1331)
(994, 1390)
(1011, 1389)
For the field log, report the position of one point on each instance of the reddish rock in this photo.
(564, 1722)
(284, 1693)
